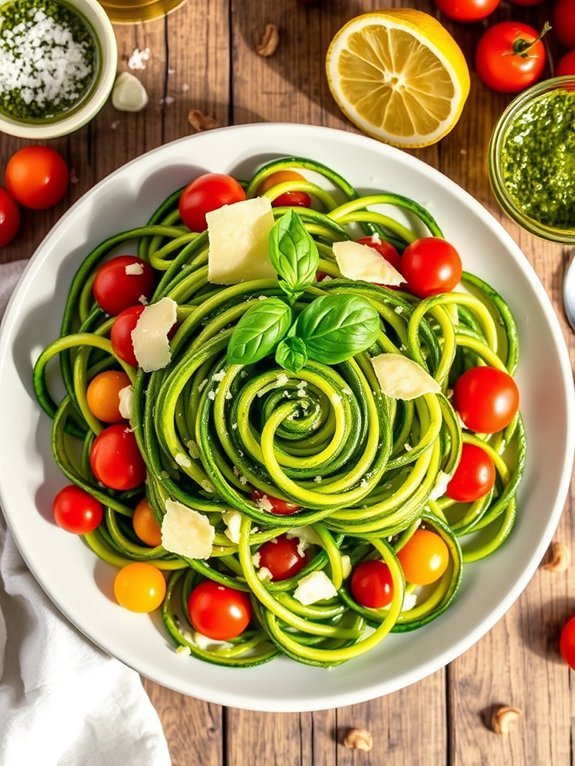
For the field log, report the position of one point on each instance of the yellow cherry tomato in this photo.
(103, 395)
(139, 587)
(424, 557)
(145, 524)
(293, 198)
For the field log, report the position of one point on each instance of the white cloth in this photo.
(63, 702)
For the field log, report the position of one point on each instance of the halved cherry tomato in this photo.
(371, 584)
(293, 198)
(486, 399)
(567, 642)
(217, 611)
(278, 507)
(76, 511)
(474, 475)
(510, 56)
(387, 251)
(115, 459)
(207, 192)
(281, 557)
(424, 557)
(563, 26)
(121, 282)
(145, 524)
(566, 65)
(37, 177)
(430, 265)
(139, 587)
(121, 334)
(9, 218)
(467, 10)
(103, 395)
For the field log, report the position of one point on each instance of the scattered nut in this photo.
(270, 41)
(358, 739)
(559, 558)
(503, 717)
(200, 121)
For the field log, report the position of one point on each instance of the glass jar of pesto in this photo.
(532, 159)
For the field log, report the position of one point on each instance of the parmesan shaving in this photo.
(314, 587)
(126, 397)
(186, 532)
(150, 335)
(402, 378)
(362, 262)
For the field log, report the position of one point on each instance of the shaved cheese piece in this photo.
(126, 397)
(363, 262)
(233, 521)
(402, 378)
(186, 532)
(440, 487)
(346, 566)
(150, 335)
(238, 236)
(316, 586)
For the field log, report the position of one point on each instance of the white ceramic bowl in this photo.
(103, 31)
(79, 583)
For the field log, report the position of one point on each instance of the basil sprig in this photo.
(336, 327)
(259, 331)
(291, 354)
(294, 254)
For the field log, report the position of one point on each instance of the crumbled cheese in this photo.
(362, 262)
(243, 481)
(128, 94)
(208, 644)
(346, 566)
(306, 534)
(440, 486)
(402, 378)
(265, 574)
(314, 587)
(256, 558)
(407, 447)
(229, 395)
(207, 486)
(238, 242)
(335, 399)
(233, 521)
(398, 309)
(126, 397)
(376, 239)
(193, 447)
(409, 601)
(282, 380)
(150, 335)
(211, 395)
(264, 503)
(186, 532)
(318, 479)
(139, 58)
(183, 460)
(219, 376)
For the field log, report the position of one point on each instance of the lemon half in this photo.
(399, 76)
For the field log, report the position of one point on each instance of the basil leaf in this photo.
(336, 327)
(291, 354)
(259, 331)
(293, 254)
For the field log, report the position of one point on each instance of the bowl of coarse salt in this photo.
(57, 65)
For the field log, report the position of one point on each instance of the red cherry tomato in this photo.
(371, 584)
(510, 56)
(424, 557)
(75, 510)
(473, 477)
(566, 65)
(121, 282)
(527, 3)
(387, 252)
(115, 459)
(563, 23)
(278, 507)
(9, 218)
(37, 177)
(208, 192)
(467, 10)
(567, 642)
(486, 399)
(139, 587)
(103, 395)
(288, 199)
(431, 266)
(219, 612)
(121, 334)
(281, 557)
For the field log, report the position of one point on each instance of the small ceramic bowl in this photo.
(531, 156)
(92, 99)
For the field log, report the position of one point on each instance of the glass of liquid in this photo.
(130, 11)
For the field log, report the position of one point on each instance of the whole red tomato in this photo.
(467, 10)
(564, 22)
(9, 218)
(566, 65)
(510, 56)
(37, 177)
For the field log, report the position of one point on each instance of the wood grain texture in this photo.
(203, 56)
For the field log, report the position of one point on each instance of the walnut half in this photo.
(358, 739)
(270, 41)
(503, 718)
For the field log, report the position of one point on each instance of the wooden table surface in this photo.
(203, 56)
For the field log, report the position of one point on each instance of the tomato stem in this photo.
(521, 46)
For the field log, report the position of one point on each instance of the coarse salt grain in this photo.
(139, 58)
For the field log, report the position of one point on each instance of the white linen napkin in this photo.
(63, 701)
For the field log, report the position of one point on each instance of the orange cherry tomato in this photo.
(424, 557)
(145, 524)
(139, 587)
(292, 198)
(103, 395)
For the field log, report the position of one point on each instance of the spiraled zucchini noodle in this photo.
(363, 467)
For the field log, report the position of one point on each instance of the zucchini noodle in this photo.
(365, 470)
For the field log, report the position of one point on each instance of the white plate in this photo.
(78, 583)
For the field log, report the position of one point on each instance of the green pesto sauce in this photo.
(48, 59)
(538, 159)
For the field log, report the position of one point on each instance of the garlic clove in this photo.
(128, 94)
